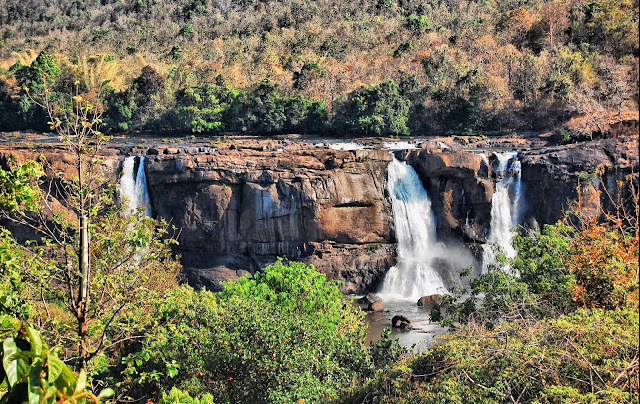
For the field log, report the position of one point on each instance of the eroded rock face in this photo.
(240, 209)
(460, 189)
(552, 176)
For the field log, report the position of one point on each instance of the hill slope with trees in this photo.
(362, 67)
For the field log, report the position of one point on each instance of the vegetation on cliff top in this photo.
(366, 67)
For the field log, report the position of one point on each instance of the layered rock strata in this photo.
(240, 209)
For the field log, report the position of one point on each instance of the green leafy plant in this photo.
(376, 110)
(103, 263)
(31, 373)
(18, 187)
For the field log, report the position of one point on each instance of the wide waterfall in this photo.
(505, 209)
(419, 252)
(133, 185)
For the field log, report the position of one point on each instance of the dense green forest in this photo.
(359, 67)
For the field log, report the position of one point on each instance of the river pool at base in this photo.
(423, 334)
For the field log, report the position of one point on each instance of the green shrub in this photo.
(31, 373)
(418, 24)
(376, 110)
(282, 335)
(176, 396)
(587, 356)
(402, 49)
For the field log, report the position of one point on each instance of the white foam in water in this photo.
(398, 145)
(133, 186)
(413, 276)
(505, 206)
(347, 146)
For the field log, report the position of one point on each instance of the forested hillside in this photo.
(366, 67)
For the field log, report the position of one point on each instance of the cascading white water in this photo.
(414, 275)
(503, 160)
(505, 206)
(142, 193)
(128, 183)
(516, 187)
(133, 186)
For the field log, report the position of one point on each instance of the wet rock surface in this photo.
(429, 300)
(372, 303)
(402, 322)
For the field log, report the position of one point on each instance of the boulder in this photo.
(369, 298)
(373, 302)
(447, 163)
(430, 300)
(375, 306)
(402, 322)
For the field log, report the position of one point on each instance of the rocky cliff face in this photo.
(460, 188)
(240, 207)
(461, 183)
(553, 175)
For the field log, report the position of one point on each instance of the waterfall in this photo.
(505, 209)
(133, 186)
(503, 161)
(484, 158)
(419, 253)
(142, 193)
(516, 187)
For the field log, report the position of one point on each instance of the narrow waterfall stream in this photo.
(505, 206)
(133, 185)
(414, 275)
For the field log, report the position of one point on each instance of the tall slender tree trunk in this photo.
(83, 296)
(83, 266)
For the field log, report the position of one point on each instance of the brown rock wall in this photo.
(460, 189)
(321, 206)
(551, 176)
(238, 210)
